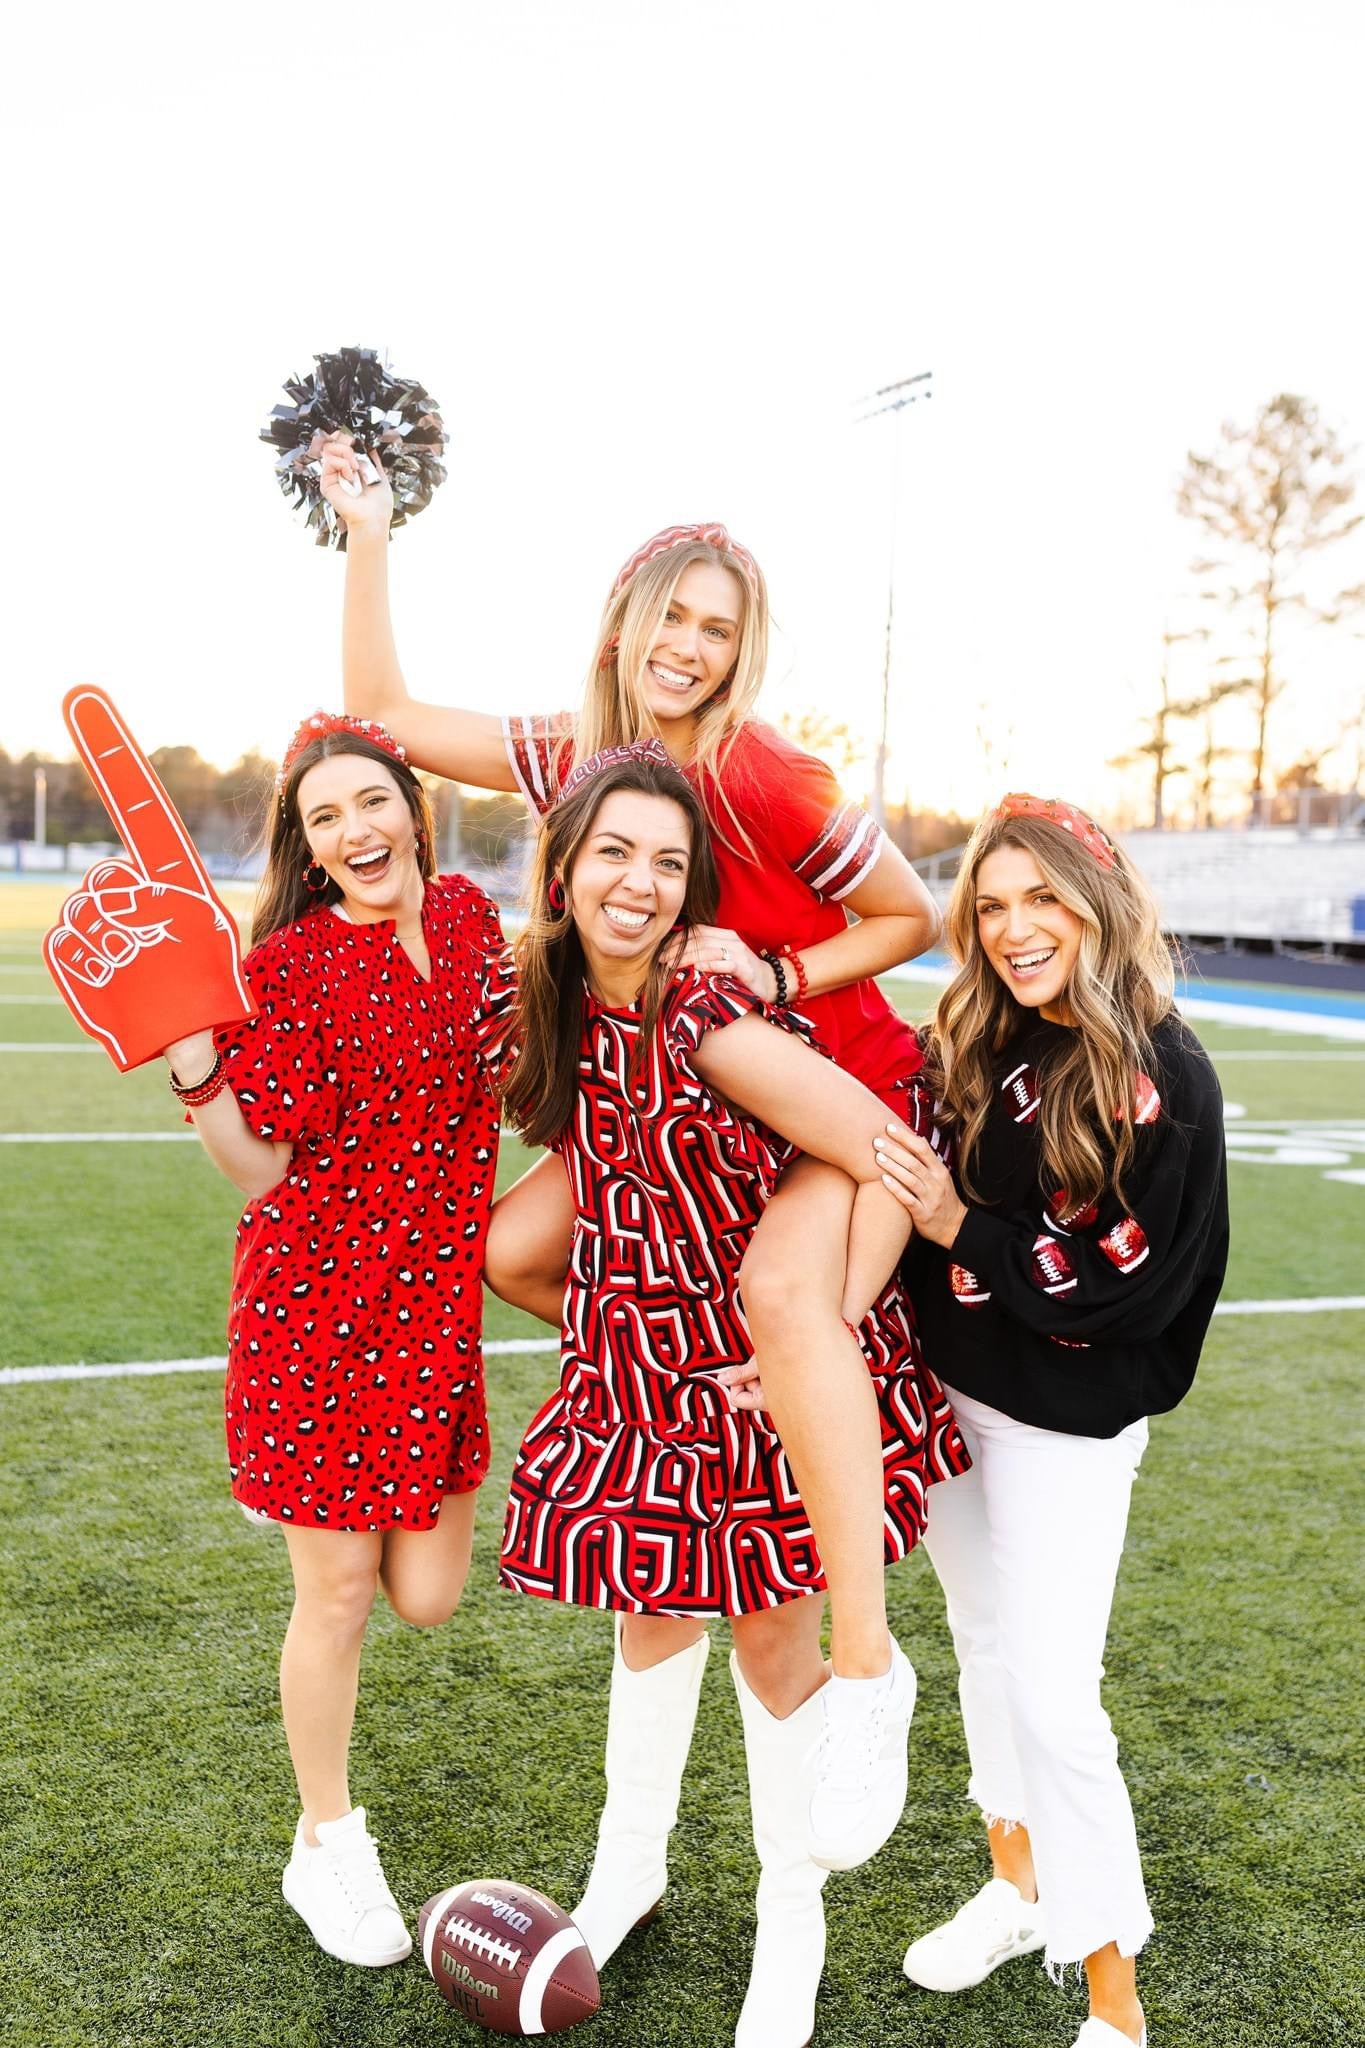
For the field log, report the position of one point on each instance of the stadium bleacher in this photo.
(1270, 886)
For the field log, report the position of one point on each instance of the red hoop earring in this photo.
(311, 868)
(555, 896)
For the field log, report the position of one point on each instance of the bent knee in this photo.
(425, 1598)
(780, 1298)
(421, 1608)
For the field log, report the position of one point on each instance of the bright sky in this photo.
(646, 256)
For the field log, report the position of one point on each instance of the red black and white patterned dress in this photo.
(354, 1391)
(637, 1486)
(808, 849)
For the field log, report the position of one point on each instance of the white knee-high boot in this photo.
(649, 1732)
(789, 1950)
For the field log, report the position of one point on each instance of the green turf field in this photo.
(147, 1804)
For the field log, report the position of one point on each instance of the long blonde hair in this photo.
(1120, 989)
(614, 712)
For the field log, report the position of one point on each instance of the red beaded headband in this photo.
(323, 722)
(1019, 805)
(639, 750)
(714, 535)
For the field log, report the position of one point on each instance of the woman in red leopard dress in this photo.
(355, 1116)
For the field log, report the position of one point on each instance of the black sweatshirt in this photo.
(1082, 1323)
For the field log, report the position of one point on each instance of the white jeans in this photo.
(1026, 1546)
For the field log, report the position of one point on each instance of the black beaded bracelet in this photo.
(779, 976)
(197, 1093)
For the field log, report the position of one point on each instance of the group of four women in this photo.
(824, 1286)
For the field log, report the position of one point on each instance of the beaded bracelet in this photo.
(779, 976)
(200, 1092)
(798, 967)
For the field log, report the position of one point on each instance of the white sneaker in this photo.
(860, 1769)
(1099, 2034)
(341, 1893)
(998, 1924)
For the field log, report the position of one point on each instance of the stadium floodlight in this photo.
(895, 403)
(889, 398)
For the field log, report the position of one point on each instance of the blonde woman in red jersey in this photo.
(680, 655)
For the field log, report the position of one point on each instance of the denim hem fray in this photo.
(1127, 1945)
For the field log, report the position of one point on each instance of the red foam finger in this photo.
(88, 914)
(131, 791)
(72, 960)
(144, 953)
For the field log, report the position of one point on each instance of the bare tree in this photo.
(1204, 710)
(1271, 495)
(1157, 746)
(995, 737)
(827, 737)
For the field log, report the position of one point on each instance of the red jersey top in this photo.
(811, 848)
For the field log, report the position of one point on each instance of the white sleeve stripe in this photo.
(537, 1979)
(845, 873)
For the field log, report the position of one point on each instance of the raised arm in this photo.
(466, 746)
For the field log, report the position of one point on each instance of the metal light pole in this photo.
(890, 398)
(40, 806)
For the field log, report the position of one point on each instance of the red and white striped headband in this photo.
(715, 536)
(320, 724)
(652, 749)
(1076, 822)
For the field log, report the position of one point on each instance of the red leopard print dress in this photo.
(355, 1370)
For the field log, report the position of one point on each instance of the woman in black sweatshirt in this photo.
(1070, 1242)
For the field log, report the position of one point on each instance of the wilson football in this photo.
(508, 1957)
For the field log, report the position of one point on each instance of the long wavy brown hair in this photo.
(614, 712)
(540, 1091)
(283, 896)
(1120, 989)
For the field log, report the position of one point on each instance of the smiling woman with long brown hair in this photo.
(674, 1099)
(1063, 1274)
(353, 1114)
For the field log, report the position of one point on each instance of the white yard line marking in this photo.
(1244, 1053)
(47, 1045)
(132, 1137)
(1255, 1017)
(99, 1137)
(26, 1375)
(1301, 1123)
(1313, 1305)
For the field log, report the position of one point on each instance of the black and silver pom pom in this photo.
(395, 422)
